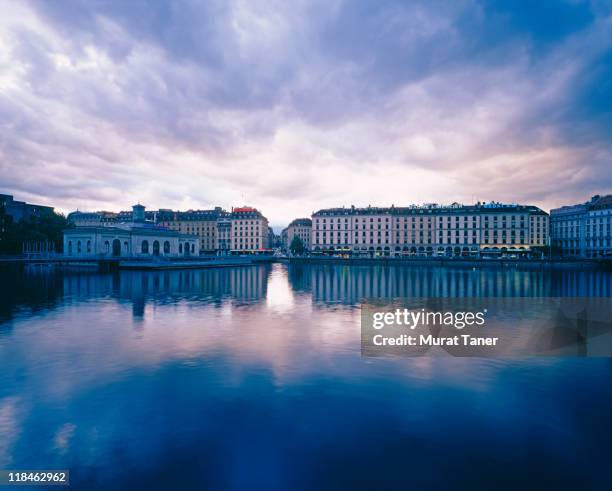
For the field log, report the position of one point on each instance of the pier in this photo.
(135, 263)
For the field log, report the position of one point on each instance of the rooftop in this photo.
(596, 202)
(301, 222)
(431, 209)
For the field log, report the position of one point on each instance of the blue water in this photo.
(252, 378)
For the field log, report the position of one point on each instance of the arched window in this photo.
(89, 246)
(166, 247)
(69, 247)
(156, 248)
(79, 247)
(180, 248)
(106, 247)
(145, 247)
(116, 247)
(192, 248)
(126, 247)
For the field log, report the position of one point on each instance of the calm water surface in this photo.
(251, 378)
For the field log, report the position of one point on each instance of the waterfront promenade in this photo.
(157, 263)
(604, 264)
(150, 263)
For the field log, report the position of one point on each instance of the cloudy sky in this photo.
(295, 106)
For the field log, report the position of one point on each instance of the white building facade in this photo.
(301, 227)
(135, 239)
(493, 229)
(243, 230)
(583, 230)
(249, 231)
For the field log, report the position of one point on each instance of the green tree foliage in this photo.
(47, 227)
(297, 246)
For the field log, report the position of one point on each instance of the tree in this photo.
(297, 246)
(46, 227)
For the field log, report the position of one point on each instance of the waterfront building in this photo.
(93, 218)
(302, 227)
(224, 235)
(283, 238)
(274, 241)
(135, 238)
(277, 241)
(106, 218)
(567, 230)
(249, 232)
(243, 230)
(205, 224)
(583, 230)
(483, 229)
(20, 210)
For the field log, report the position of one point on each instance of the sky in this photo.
(291, 107)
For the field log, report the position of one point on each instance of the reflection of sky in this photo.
(279, 297)
(9, 427)
(244, 379)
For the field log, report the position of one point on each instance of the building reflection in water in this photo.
(212, 286)
(349, 285)
(35, 288)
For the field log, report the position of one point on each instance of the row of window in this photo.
(116, 247)
(154, 248)
(429, 240)
(429, 227)
(442, 219)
